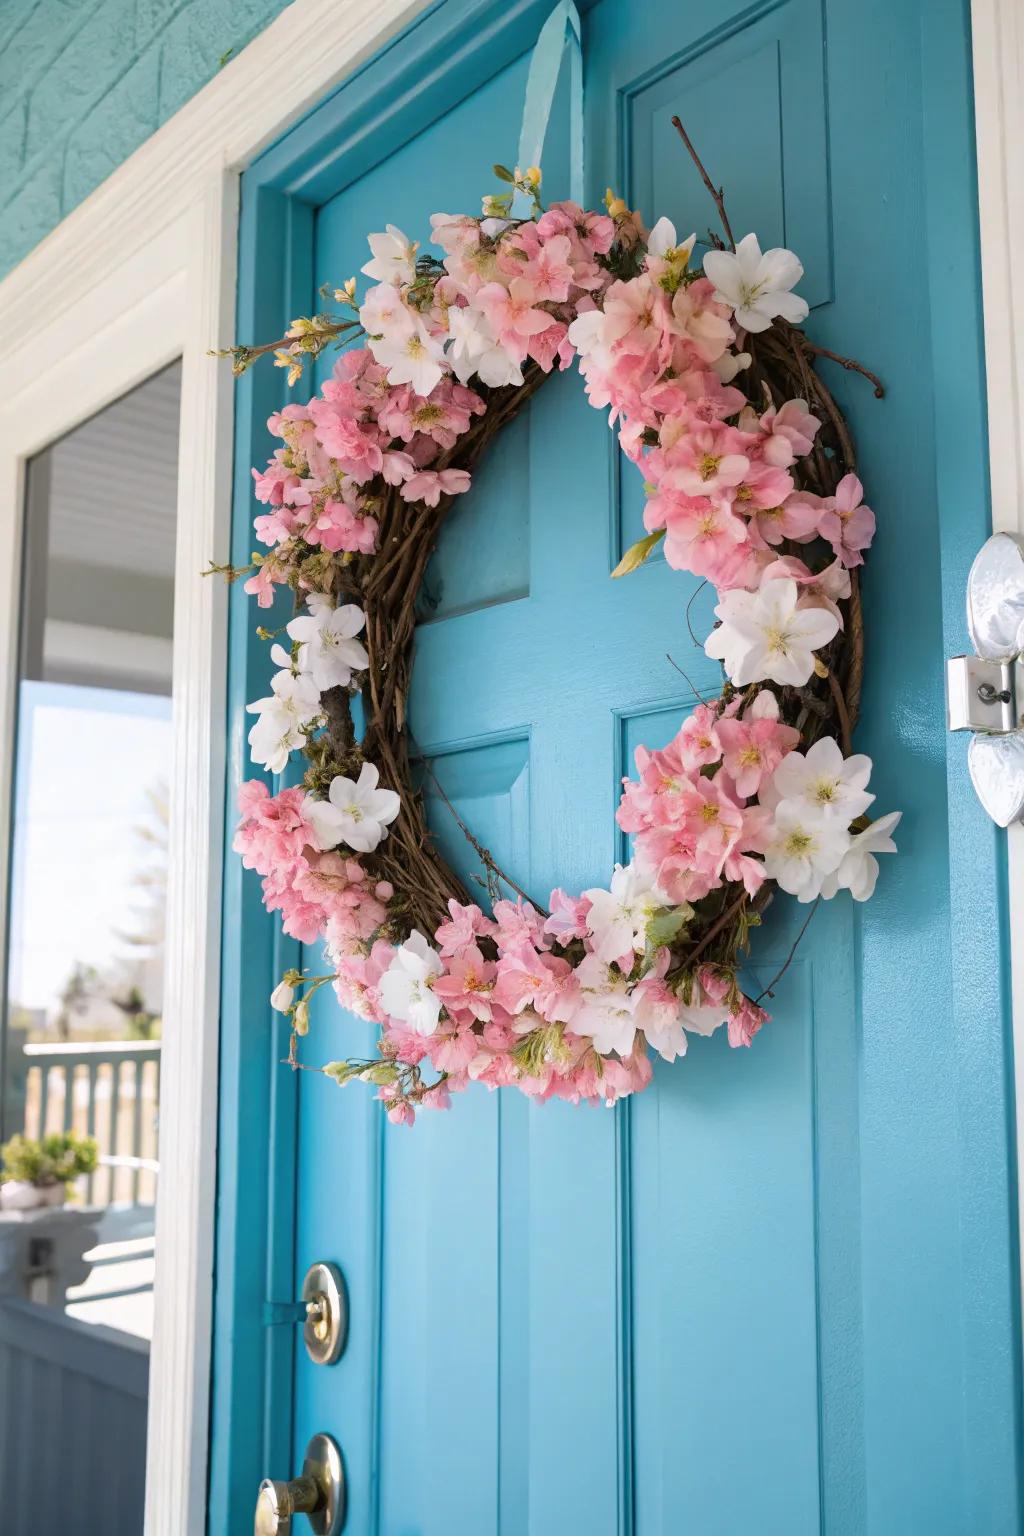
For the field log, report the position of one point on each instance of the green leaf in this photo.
(504, 174)
(637, 553)
(666, 925)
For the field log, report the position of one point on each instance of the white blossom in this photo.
(858, 870)
(661, 1024)
(411, 356)
(822, 782)
(394, 257)
(757, 286)
(805, 849)
(356, 812)
(765, 637)
(385, 313)
(607, 1010)
(475, 349)
(405, 990)
(665, 253)
(618, 917)
(703, 1018)
(328, 650)
(284, 717)
(591, 335)
(282, 996)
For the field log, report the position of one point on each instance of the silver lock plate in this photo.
(326, 1326)
(985, 693)
(981, 695)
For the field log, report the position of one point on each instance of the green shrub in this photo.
(56, 1159)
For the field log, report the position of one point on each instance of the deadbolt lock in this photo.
(325, 1328)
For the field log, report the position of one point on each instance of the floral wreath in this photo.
(750, 474)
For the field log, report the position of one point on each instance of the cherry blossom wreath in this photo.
(751, 482)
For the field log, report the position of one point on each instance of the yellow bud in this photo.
(618, 208)
(533, 175)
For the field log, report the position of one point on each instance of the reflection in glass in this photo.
(84, 995)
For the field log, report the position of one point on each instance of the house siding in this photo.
(84, 82)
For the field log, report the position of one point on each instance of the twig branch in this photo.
(849, 363)
(482, 853)
(768, 992)
(716, 192)
(715, 929)
(844, 716)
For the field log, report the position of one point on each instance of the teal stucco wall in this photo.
(84, 82)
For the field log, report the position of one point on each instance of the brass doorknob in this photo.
(318, 1491)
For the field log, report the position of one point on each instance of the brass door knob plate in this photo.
(318, 1492)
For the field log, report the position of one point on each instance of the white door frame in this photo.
(997, 30)
(144, 271)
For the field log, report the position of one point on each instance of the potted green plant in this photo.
(37, 1173)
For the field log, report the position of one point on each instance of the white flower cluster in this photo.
(325, 653)
(814, 796)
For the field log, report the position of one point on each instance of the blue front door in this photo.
(774, 1294)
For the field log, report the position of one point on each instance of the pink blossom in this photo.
(547, 982)
(518, 920)
(745, 1023)
(635, 315)
(790, 433)
(261, 585)
(548, 269)
(512, 314)
(568, 918)
(356, 448)
(399, 1112)
(699, 741)
(706, 461)
(464, 926)
(467, 983)
(338, 526)
(429, 485)
(755, 746)
(453, 1052)
(703, 538)
(847, 524)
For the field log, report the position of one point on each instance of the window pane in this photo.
(84, 995)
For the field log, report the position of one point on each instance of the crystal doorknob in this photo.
(318, 1492)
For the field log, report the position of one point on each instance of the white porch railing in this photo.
(109, 1089)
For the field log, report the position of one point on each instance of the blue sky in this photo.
(86, 758)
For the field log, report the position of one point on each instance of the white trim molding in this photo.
(997, 28)
(141, 273)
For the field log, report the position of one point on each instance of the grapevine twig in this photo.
(717, 193)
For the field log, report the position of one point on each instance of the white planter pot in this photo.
(17, 1195)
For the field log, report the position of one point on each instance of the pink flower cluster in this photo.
(316, 893)
(503, 294)
(660, 353)
(697, 830)
(515, 1000)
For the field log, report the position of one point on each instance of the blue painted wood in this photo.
(776, 1293)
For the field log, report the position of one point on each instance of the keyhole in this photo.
(989, 695)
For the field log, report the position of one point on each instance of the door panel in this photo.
(736, 1303)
